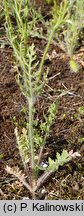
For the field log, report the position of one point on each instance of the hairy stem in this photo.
(42, 179)
(47, 47)
(31, 134)
(31, 140)
(40, 155)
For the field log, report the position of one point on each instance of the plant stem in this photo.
(47, 48)
(33, 182)
(40, 155)
(31, 134)
(42, 179)
(31, 141)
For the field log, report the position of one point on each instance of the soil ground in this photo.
(68, 128)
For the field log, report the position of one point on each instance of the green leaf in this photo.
(81, 140)
(52, 164)
(73, 65)
(81, 110)
(38, 139)
(60, 160)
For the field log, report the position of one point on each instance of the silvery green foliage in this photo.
(31, 81)
(21, 20)
(23, 144)
(42, 134)
(60, 160)
(28, 76)
(75, 23)
(60, 12)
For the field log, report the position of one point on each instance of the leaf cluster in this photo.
(74, 24)
(42, 133)
(60, 160)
